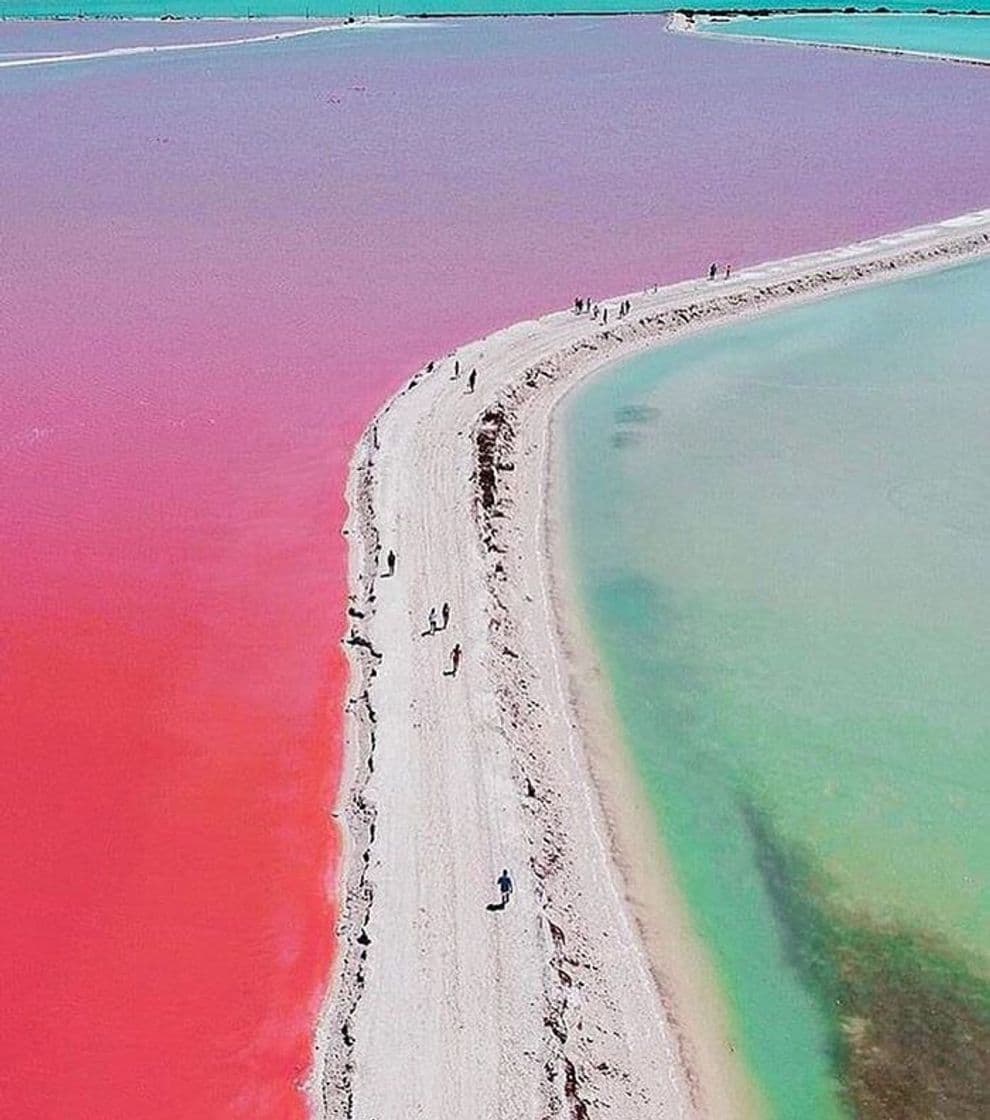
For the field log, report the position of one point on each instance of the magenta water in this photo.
(216, 265)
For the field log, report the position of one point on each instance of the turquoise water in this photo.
(962, 36)
(781, 532)
(11, 9)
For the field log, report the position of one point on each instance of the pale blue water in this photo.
(780, 533)
(961, 36)
(36, 9)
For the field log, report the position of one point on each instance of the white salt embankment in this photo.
(576, 1000)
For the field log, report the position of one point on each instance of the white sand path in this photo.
(174, 48)
(568, 1003)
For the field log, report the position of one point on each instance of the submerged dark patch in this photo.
(911, 1036)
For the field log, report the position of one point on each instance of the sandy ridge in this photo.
(172, 48)
(554, 1007)
(685, 24)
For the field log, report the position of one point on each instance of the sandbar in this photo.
(589, 992)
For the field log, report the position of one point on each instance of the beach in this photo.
(588, 990)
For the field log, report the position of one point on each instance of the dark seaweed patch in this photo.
(911, 1017)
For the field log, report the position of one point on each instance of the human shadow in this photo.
(495, 906)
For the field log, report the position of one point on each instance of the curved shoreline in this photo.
(438, 1004)
(208, 44)
(690, 25)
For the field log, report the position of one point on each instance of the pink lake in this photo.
(215, 266)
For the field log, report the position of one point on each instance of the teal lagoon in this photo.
(954, 36)
(779, 532)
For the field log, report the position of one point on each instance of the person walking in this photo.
(472, 379)
(728, 271)
(455, 661)
(505, 886)
(445, 615)
(432, 621)
(390, 563)
(713, 270)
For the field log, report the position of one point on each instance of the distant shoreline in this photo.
(28, 60)
(773, 13)
(424, 15)
(689, 21)
(291, 31)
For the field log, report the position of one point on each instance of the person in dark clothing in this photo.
(455, 661)
(472, 378)
(505, 886)
(712, 271)
(445, 615)
(390, 563)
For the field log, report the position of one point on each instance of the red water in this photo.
(214, 268)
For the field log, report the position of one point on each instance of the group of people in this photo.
(597, 311)
(433, 627)
(472, 376)
(431, 621)
(583, 304)
(434, 624)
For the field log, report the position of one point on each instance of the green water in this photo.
(38, 9)
(781, 531)
(961, 36)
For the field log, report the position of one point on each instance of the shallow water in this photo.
(960, 36)
(780, 530)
